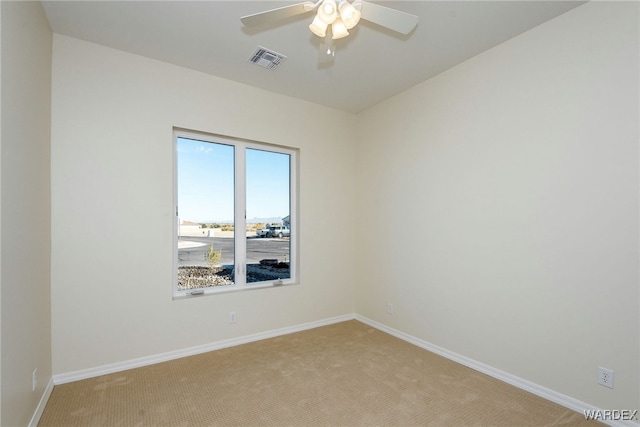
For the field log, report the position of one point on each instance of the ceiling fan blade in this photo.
(392, 19)
(278, 14)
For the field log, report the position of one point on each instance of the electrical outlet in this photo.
(390, 308)
(232, 317)
(34, 379)
(605, 377)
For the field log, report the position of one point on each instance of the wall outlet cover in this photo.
(605, 377)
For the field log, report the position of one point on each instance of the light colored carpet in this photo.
(347, 374)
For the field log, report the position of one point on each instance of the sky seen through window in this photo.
(206, 183)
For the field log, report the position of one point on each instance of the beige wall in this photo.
(112, 162)
(25, 212)
(504, 198)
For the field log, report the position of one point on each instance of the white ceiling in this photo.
(371, 64)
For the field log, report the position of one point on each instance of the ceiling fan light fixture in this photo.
(342, 15)
(318, 27)
(349, 14)
(328, 11)
(338, 29)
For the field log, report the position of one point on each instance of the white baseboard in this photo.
(35, 419)
(538, 390)
(190, 351)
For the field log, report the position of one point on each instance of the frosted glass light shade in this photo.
(349, 14)
(318, 27)
(328, 11)
(338, 29)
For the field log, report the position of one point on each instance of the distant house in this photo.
(192, 229)
(285, 221)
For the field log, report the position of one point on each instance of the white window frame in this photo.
(240, 242)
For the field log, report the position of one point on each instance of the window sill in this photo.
(233, 288)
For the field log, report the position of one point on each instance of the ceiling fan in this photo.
(341, 15)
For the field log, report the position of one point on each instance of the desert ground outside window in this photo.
(235, 218)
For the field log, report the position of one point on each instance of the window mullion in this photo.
(240, 220)
(293, 215)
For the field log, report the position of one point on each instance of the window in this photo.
(235, 213)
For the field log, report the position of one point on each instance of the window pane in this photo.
(205, 173)
(268, 207)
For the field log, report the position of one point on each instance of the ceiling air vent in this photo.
(267, 58)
